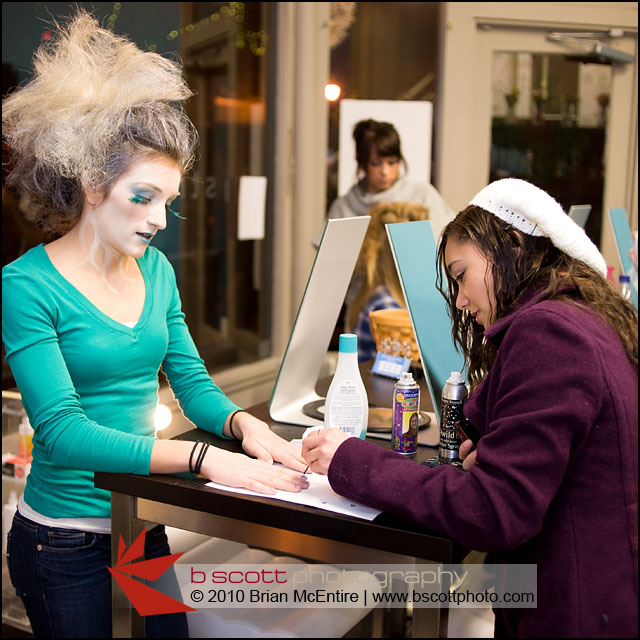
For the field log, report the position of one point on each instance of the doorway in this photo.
(549, 117)
(490, 49)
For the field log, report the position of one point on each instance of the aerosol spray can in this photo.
(406, 413)
(454, 395)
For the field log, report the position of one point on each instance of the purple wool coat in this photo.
(556, 479)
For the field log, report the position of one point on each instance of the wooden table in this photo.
(183, 501)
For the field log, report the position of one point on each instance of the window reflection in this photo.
(549, 126)
(222, 280)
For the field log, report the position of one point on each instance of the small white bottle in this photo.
(8, 511)
(347, 406)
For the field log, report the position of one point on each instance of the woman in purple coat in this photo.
(552, 356)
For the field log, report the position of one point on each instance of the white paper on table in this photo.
(319, 495)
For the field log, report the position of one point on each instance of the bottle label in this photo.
(347, 408)
(449, 441)
(406, 415)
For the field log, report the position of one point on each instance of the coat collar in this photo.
(495, 333)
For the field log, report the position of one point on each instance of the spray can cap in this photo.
(455, 378)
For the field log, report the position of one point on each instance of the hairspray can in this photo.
(454, 395)
(406, 411)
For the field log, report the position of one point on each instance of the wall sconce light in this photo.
(331, 92)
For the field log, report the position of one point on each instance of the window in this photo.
(223, 281)
(225, 47)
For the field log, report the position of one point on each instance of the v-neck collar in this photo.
(77, 295)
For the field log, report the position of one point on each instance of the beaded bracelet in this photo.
(233, 415)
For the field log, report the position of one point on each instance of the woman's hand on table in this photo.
(260, 442)
(467, 456)
(319, 447)
(238, 470)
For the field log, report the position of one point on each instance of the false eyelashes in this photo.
(140, 199)
(175, 213)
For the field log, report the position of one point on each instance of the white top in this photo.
(94, 525)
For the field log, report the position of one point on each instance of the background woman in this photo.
(379, 157)
(99, 145)
(552, 354)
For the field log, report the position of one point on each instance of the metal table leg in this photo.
(126, 622)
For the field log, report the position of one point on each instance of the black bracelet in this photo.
(200, 460)
(233, 415)
(195, 446)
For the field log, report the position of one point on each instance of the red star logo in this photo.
(145, 600)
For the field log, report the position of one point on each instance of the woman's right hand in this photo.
(319, 447)
(239, 470)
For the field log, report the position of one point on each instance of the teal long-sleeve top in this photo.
(89, 384)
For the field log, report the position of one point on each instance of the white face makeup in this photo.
(381, 172)
(126, 221)
(472, 273)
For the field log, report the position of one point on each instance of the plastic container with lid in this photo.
(347, 406)
(25, 438)
(625, 288)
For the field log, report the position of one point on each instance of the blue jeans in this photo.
(62, 578)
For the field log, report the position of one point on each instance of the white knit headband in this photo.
(534, 212)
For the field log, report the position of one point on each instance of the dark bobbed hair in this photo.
(517, 263)
(381, 136)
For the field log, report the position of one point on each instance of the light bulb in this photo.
(331, 92)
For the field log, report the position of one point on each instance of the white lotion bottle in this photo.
(347, 406)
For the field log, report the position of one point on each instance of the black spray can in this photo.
(454, 395)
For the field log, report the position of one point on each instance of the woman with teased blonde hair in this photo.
(99, 145)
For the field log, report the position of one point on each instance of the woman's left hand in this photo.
(319, 447)
(259, 441)
(467, 454)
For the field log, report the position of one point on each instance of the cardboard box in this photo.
(15, 466)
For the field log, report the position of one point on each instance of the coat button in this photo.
(605, 619)
(39, 547)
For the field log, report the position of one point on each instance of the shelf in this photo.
(13, 613)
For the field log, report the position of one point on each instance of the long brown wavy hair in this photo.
(518, 262)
